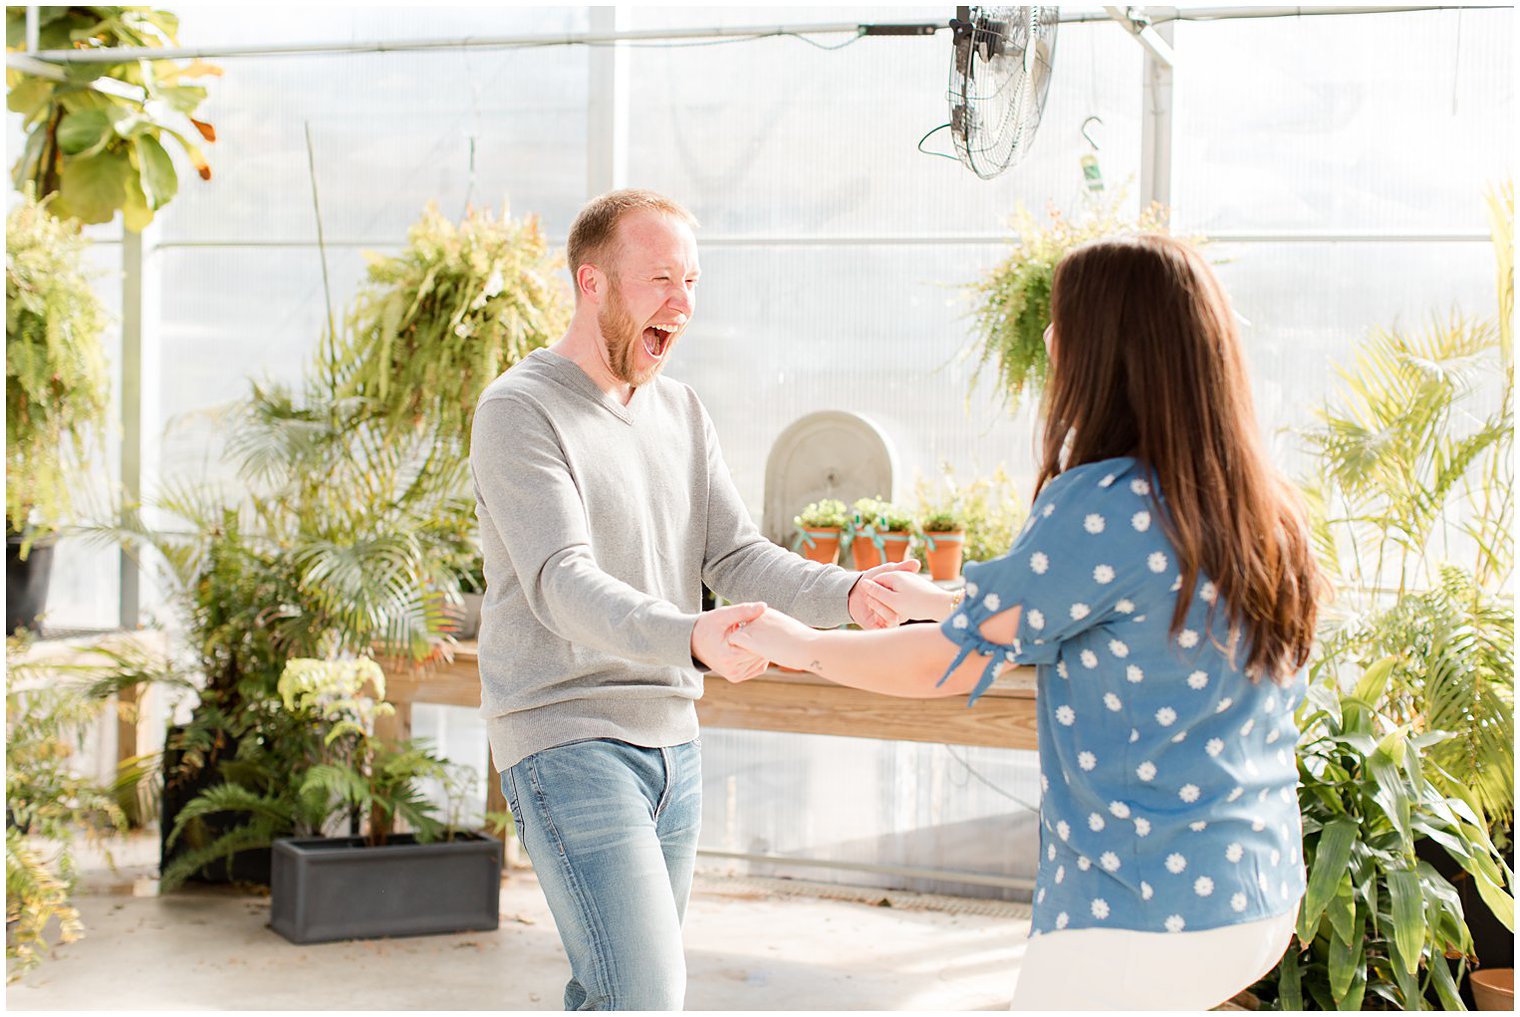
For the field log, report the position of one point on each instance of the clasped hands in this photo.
(741, 640)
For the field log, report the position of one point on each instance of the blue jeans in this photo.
(611, 829)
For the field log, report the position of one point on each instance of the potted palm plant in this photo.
(820, 527)
(57, 391)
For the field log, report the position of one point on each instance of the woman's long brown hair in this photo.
(1147, 362)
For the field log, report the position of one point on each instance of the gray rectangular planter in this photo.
(327, 888)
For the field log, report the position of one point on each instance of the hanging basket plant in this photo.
(97, 139)
(435, 324)
(1012, 301)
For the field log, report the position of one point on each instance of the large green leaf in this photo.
(93, 188)
(1331, 856)
(84, 132)
(159, 181)
(1408, 909)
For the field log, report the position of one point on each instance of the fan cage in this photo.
(996, 102)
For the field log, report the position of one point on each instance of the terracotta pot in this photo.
(819, 543)
(895, 544)
(1493, 988)
(865, 554)
(944, 553)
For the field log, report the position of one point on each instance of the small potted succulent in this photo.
(883, 532)
(944, 530)
(819, 528)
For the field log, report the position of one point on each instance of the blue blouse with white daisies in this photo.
(1169, 778)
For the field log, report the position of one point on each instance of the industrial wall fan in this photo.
(999, 77)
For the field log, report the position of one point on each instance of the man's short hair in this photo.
(595, 227)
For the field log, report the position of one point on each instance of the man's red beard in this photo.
(621, 335)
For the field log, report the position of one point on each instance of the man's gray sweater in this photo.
(599, 523)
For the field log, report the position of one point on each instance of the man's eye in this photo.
(662, 278)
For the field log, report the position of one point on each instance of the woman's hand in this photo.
(906, 595)
(775, 637)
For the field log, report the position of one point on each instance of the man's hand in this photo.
(910, 597)
(870, 612)
(711, 648)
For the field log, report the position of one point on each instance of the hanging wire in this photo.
(997, 790)
(926, 137)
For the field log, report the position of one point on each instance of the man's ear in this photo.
(590, 281)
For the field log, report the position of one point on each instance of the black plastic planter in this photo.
(329, 888)
(26, 583)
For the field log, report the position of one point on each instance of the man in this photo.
(604, 505)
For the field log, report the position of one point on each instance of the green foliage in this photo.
(942, 521)
(437, 323)
(1377, 923)
(100, 147)
(988, 508)
(1013, 299)
(57, 387)
(822, 514)
(881, 516)
(49, 804)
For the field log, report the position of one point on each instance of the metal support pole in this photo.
(607, 106)
(1156, 119)
(139, 389)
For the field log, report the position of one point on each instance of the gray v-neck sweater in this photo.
(599, 524)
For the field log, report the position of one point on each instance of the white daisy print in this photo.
(1060, 874)
(1224, 704)
(1146, 770)
(1134, 674)
(1270, 705)
(1236, 793)
(960, 621)
(971, 590)
(1141, 521)
(1238, 902)
(1095, 822)
(1175, 863)
(1261, 881)
(1109, 861)
(1086, 760)
(1276, 856)
(1063, 830)
(1125, 606)
(1079, 611)
(1038, 563)
(1089, 658)
(1103, 574)
(1247, 727)
(1146, 891)
(1100, 908)
(1166, 716)
(1118, 648)
(1198, 680)
(1261, 795)
(1050, 852)
(1258, 825)
(1273, 735)
(1142, 827)
(1198, 827)
(1061, 669)
(1112, 702)
(1134, 735)
(1036, 619)
(1108, 480)
(1179, 738)
(1187, 639)
(1140, 487)
(1156, 562)
(1174, 923)
(1062, 919)
(1282, 757)
(993, 602)
(1093, 523)
(1048, 510)
(1119, 810)
(1083, 863)
(1188, 793)
(1207, 593)
(1203, 886)
(1176, 584)
(1066, 715)
(1286, 794)
(1214, 746)
(1039, 898)
(1044, 783)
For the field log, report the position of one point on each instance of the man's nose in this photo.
(683, 300)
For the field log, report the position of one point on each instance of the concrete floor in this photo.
(751, 945)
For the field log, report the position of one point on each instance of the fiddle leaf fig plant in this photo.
(97, 139)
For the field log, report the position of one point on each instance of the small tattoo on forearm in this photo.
(815, 665)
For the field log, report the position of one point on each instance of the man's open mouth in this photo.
(657, 340)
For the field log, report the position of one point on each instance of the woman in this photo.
(1165, 590)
